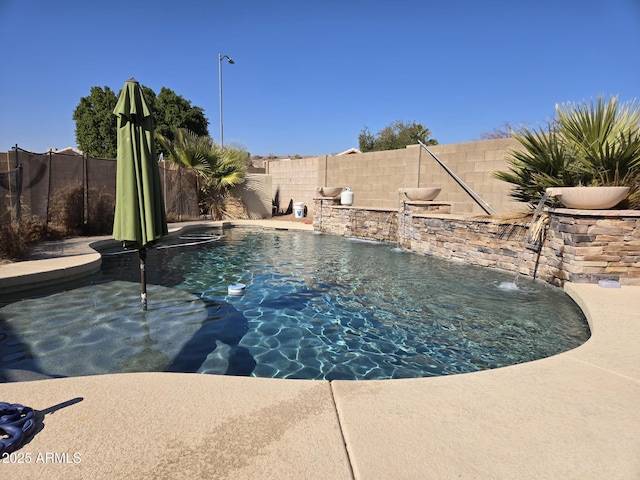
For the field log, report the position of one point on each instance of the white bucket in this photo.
(298, 209)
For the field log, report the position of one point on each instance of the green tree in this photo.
(172, 112)
(395, 136)
(95, 123)
(366, 141)
(150, 98)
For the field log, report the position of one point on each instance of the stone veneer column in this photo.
(594, 245)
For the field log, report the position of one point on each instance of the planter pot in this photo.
(589, 198)
(421, 194)
(329, 191)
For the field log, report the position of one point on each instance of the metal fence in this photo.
(76, 193)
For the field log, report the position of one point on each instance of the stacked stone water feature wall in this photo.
(577, 246)
(375, 224)
(478, 241)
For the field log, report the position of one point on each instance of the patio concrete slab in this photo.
(573, 415)
(615, 333)
(560, 420)
(163, 425)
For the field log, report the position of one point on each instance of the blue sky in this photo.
(308, 76)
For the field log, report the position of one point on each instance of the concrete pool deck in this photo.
(573, 415)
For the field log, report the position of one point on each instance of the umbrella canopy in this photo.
(140, 219)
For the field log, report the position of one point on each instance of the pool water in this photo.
(315, 307)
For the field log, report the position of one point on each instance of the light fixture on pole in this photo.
(220, 58)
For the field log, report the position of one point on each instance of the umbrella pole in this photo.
(143, 277)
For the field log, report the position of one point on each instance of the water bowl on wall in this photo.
(421, 194)
(329, 191)
(589, 198)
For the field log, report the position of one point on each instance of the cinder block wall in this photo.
(295, 179)
(474, 163)
(376, 177)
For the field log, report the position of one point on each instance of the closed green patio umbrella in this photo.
(140, 219)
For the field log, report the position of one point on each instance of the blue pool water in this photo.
(314, 307)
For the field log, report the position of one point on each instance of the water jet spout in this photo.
(527, 245)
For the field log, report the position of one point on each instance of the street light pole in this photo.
(220, 58)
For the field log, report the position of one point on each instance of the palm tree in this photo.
(587, 144)
(218, 169)
(227, 168)
(187, 149)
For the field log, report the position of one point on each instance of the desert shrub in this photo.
(16, 238)
(66, 210)
(5, 217)
(101, 210)
(172, 217)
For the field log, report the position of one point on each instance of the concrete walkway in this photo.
(571, 416)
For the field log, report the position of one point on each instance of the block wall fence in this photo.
(376, 177)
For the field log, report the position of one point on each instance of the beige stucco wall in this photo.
(376, 177)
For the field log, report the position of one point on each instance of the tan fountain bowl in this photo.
(330, 191)
(589, 198)
(421, 194)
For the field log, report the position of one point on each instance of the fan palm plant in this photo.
(227, 168)
(187, 150)
(542, 162)
(590, 144)
(218, 168)
(607, 141)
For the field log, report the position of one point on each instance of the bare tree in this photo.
(505, 131)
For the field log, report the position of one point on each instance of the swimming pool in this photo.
(315, 307)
